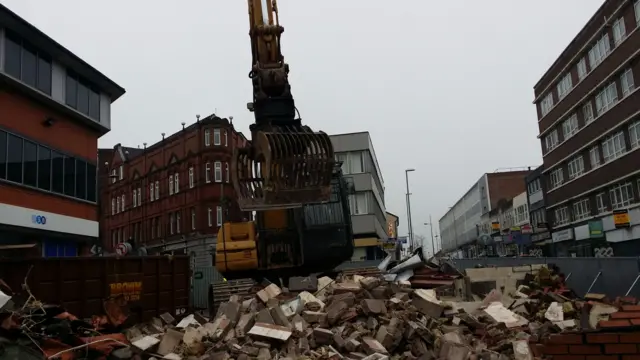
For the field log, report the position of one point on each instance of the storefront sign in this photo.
(38, 219)
(485, 239)
(540, 236)
(595, 229)
(526, 229)
(562, 235)
(131, 290)
(495, 226)
(621, 218)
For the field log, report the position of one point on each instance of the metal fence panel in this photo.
(617, 276)
(203, 276)
(580, 272)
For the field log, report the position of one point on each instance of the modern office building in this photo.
(368, 215)
(168, 197)
(54, 108)
(462, 225)
(589, 128)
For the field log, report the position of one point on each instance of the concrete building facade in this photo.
(55, 106)
(172, 195)
(536, 194)
(589, 122)
(462, 225)
(368, 215)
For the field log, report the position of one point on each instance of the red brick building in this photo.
(54, 108)
(168, 195)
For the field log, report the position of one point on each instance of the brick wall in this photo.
(623, 345)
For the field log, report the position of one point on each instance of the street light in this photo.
(433, 243)
(409, 222)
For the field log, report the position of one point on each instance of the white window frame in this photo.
(176, 183)
(594, 157)
(546, 104)
(619, 31)
(139, 196)
(113, 206)
(621, 196)
(551, 140)
(210, 217)
(178, 220)
(570, 126)
(157, 189)
(636, 8)
(534, 186)
(123, 202)
(627, 82)
(216, 137)
(226, 172)
(557, 178)
(193, 218)
(359, 203)
(207, 173)
(582, 68)
(226, 138)
(217, 171)
(172, 219)
(562, 216)
(581, 209)
(564, 86)
(613, 147)
(121, 172)
(634, 134)
(191, 180)
(151, 197)
(576, 167)
(601, 206)
(606, 98)
(170, 184)
(135, 198)
(114, 176)
(219, 215)
(207, 137)
(587, 112)
(599, 51)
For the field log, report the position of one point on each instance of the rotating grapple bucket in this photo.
(285, 167)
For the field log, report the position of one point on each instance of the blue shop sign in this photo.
(38, 219)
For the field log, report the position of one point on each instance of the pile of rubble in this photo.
(350, 318)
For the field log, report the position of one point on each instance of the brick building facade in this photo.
(170, 193)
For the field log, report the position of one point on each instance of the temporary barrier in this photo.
(203, 277)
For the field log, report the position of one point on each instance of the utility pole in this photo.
(409, 222)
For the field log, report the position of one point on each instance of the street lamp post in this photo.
(409, 222)
(433, 243)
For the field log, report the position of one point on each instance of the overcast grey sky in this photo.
(444, 87)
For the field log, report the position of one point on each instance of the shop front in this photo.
(590, 241)
(562, 242)
(622, 232)
(541, 244)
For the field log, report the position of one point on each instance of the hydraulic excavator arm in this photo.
(287, 164)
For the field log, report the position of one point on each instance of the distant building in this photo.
(541, 237)
(368, 215)
(167, 197)
(462, 225)
(589, 129)
(54, 108)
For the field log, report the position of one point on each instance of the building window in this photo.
(634, 134)
(123, 201)
(594, 157)
(219, 215)
(207, 137)
(636, 8)
(134, 201)
(171, 223)
(562, 216)
(587, 112)
(178, 221)
(600, 204)
(358, 203)
(139, 196)
(216, 137)
(226, 138)
(619, 31)
(599, 51)
(82, 95)
(546, 104)
(170, 184)
(177, 182)
(121, 172)
(613, 146)
(36, 166)
(534, 186)
(551, 140)
(217, 171)
(191, 182)
(626, 82)
(564, 86)
(193, 218)
(226, 171)
(576, 167)
(209, 217)
(153, 228)
(606, 98)
(157, 190)
(23, 62)
(158, 222)
(207, 172)
(352, 162)
(117, 204)
(114, 176)
(582, 68)
(113, 206)
(581, 209)
(151, 198)
(621, 196)
(570, 126)
(557, 178)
